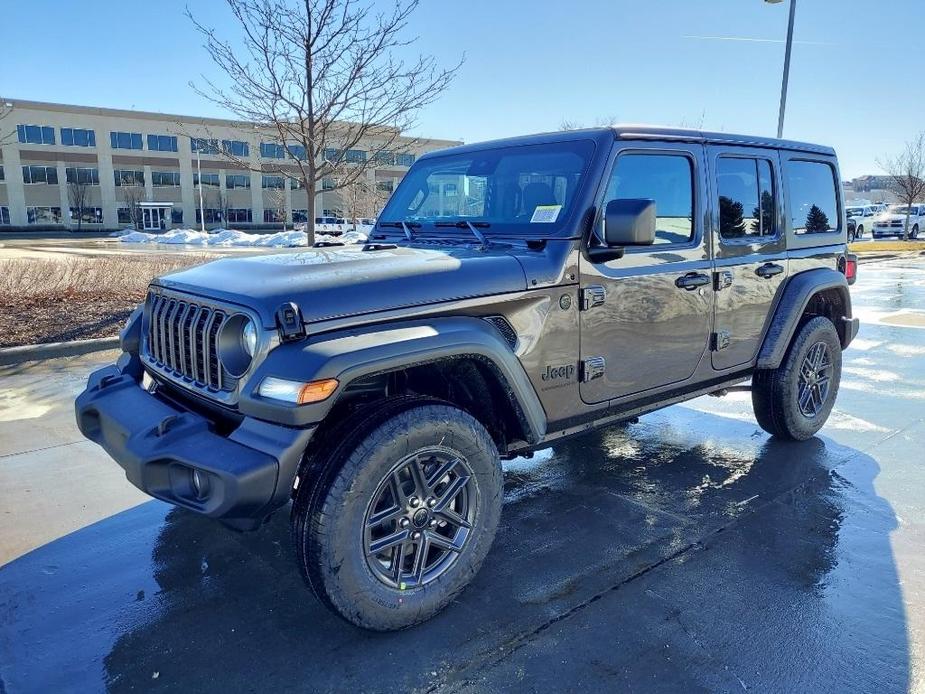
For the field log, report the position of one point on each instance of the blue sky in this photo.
(856, 81)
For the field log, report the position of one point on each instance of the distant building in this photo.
(154, 155)
(866, 189)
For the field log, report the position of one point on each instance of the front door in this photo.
(152, 217)
(646, 317)
(751, 262)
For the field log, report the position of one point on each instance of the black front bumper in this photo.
(243, 477)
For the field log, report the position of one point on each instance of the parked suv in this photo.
(570, 281)
(863, 218)
(893, 221)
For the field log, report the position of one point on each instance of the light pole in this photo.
(783, 87)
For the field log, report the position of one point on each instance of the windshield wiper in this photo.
(473, 227)
(404, 226)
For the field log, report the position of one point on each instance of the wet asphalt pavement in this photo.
(686, 552)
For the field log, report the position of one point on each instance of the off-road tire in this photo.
(775, 392)
(331, 505)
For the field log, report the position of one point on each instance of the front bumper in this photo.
(243, 477)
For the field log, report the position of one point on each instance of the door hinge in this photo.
(592, 296)
(722, 280)
(720, 340)
(591, 368)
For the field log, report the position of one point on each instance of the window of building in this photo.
(813, 200)
(176, 215)
(239, 215)
(80, 174)
(213, 215)
(162, 143)
(385, 186)
(404, 159)
(235, 148)
(274, 182)
(124, 216)
(88, 215)
(78, 137)
(237, 181)
(271, 150)
(384, 157)
(203, 146)
(165, 179)
(327, 184)
(40, 174)
(208, 179)
(4, 215)
(299, 216)
(127, 177)
(274, 216)
(331, 154)
(746, 197)
(665, 178)
(119, 140)
(36, 134)
(2, 174)
(355, 156)
(297, 152)
(43, 215)
(296, 184)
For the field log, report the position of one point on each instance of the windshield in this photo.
(900, 209)
(523, 188)
(851, 211)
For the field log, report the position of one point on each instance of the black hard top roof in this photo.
(641, 132)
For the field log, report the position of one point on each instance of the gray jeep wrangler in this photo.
(512, 293)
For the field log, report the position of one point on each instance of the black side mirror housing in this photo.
(629, 222)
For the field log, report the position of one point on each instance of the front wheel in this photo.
(860, 232)
(400, 515)
(794, 400)
(915, 232)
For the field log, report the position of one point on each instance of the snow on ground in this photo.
(235, 237)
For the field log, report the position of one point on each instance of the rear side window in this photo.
(665, 178)
(746, 197)
(813, 200)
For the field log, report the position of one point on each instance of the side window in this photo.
(813, 200)
(668, 179)
(746, 197)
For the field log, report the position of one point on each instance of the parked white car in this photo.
(863, 216)
(893, 221)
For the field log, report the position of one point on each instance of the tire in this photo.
(776, 393)
(915, 232)
(860, 232)
(353, 507)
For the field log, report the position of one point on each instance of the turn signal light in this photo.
(848, 264)
(297, 392)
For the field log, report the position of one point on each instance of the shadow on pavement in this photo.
(686, 551)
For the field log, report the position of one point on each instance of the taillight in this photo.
(848, 266)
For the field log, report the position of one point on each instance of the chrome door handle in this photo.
(768, 270)
(691, 281)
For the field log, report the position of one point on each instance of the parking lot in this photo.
(688, 551)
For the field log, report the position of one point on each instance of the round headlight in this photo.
(249, 338)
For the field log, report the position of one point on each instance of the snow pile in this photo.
(123, 232)
(234, 237)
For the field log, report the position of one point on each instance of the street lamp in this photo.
(783, 88)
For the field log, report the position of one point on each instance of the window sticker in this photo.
(545, 214)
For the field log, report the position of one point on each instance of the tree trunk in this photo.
(906, 226)
(310, 212)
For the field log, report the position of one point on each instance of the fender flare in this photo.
(798, 292)
(355, 353)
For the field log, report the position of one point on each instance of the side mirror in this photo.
(629, 222)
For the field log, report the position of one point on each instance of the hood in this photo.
(347, 281)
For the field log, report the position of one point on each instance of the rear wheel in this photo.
(794, 400)
(402, 514)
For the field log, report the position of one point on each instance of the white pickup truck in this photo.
(863, 216)
(893, 221)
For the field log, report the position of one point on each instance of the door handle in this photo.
(768, 270)
(691, 281)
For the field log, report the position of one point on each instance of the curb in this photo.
(53, 350)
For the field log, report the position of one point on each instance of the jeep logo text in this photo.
(554, 373)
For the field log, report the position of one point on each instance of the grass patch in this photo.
(78, 298)
(886, 246)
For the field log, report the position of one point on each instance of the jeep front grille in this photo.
(182, 341)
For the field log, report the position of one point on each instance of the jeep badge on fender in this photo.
(378, 387)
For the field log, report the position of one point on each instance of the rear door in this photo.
(749, 249)
(646, 317)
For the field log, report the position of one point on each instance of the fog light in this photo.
(147, 382)
(200, 483)
(296, 392)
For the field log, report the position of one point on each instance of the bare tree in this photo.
(599, 122)
(131, 197)
(322, 76)
(362, 198)
(906, 172)
(78, 194)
